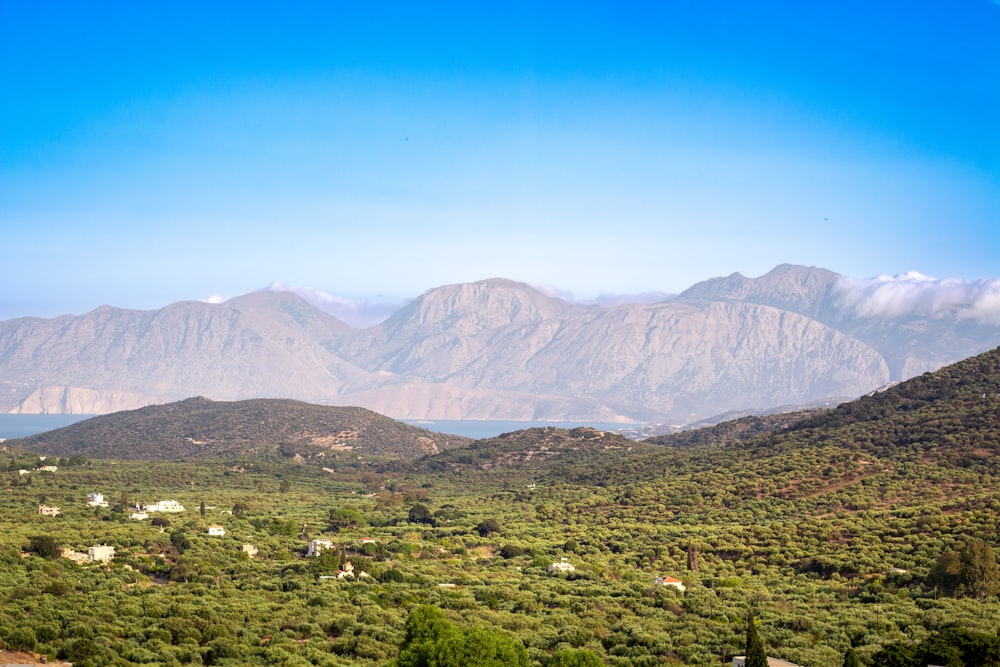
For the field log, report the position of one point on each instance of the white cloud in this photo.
(612, 300)
(913, 294)
(360, 314)
(609, 300)
(215, 298)
(554, 292)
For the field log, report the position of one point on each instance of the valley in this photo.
(836, 529)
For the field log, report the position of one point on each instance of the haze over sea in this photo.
(21, 426)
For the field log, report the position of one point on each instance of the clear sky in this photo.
(152, 152)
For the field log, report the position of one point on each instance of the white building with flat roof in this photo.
(165, 506)
(101, 553)
(318, 545)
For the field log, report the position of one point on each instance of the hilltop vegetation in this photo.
(868, 529)
(200, 428)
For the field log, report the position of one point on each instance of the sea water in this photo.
(21, 426)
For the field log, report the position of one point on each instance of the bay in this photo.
(21, 426)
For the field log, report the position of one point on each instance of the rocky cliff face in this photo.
(495, 349)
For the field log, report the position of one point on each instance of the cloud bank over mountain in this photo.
(913, 294)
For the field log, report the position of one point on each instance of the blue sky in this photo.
(154, 152)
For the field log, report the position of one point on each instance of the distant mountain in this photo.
(531, 355)
(263, 344)
(910, 343)
(495, 349)
(200, 428)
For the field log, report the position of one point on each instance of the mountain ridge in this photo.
(493, 349)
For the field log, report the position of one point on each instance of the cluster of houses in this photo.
(46, 468)
(138, 512)
(41, 468)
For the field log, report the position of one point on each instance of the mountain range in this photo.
(494, 349)
(948, 417)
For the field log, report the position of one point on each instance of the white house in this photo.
(318, 545)
(165, 506)
(101, 553)
(669, 581)
(48, 468)
(216, 529)
(45, 510)
(138, 516)
(562, 566)
(249, 549)
(96, 500)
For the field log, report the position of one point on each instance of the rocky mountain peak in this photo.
(479, 306)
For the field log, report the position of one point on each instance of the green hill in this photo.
(201, 428)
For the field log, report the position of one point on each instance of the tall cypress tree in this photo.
(851, 659)
(692, 554)
(755, 649)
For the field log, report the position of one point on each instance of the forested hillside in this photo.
(868, 531)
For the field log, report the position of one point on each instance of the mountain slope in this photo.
(199, 428)
(262, 344)
(642, 363)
